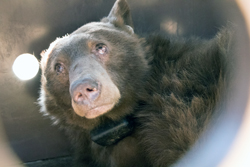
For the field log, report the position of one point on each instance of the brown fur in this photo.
(171, 86)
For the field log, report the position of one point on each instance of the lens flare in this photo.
(25, 66)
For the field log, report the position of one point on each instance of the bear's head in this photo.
(94, 73)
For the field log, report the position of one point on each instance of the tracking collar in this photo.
(112, 132)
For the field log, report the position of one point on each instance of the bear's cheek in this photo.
(58, 87)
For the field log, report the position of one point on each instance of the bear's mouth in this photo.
(92, 112)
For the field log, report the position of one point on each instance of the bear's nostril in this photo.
(91, 93)
(91, 89)
(78, 97)
(85, 91)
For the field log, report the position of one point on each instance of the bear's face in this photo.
(97, 71)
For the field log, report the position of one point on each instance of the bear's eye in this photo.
(59, 68)
(101, 49)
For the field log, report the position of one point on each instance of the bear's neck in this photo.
(112, 132)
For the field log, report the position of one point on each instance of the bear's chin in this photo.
(92, 112)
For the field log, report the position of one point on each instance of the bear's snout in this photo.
(85, 91)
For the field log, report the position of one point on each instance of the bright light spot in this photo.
(25, 66)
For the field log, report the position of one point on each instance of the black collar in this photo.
(112, 132)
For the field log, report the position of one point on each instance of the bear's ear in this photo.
(120, 15)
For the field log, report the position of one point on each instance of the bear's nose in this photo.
(85, 91)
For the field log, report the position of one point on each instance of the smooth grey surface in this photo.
(29, 26)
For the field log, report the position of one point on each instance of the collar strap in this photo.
(112, 132)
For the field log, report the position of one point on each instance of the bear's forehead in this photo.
(91, 31)
(79, 40)
(94, 27)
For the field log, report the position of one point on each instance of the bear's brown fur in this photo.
(103, 72)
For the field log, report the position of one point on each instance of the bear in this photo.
(128, 101)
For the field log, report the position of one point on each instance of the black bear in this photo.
(126, 101)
